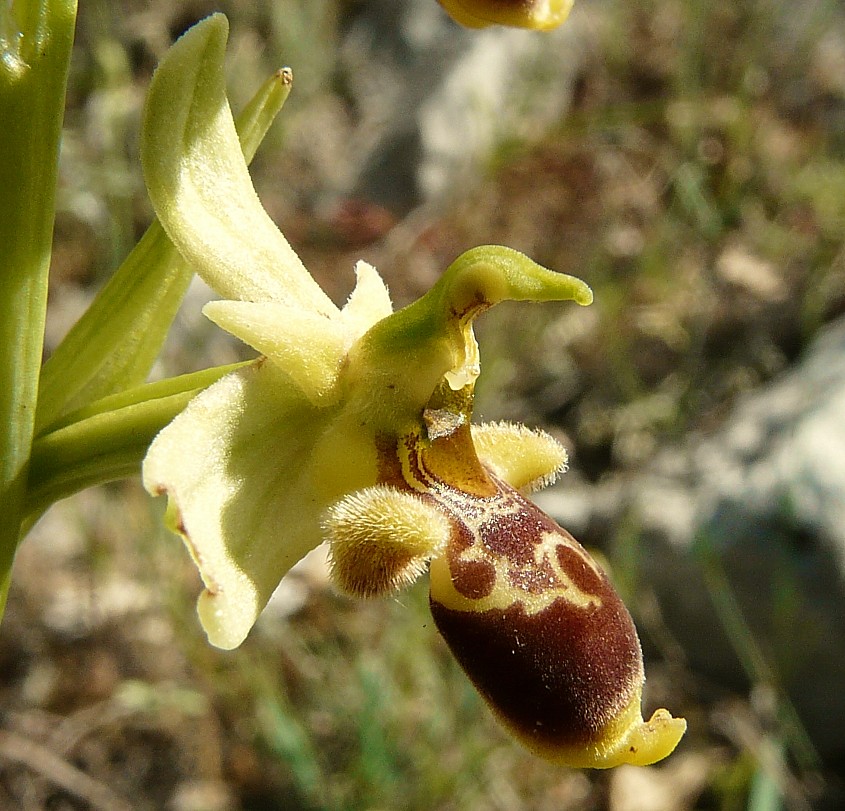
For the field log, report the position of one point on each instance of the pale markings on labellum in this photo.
(518, 556)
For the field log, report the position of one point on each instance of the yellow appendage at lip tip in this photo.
(630, 740)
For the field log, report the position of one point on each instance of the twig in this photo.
(41, 760)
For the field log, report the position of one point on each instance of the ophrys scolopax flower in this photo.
(353, 427)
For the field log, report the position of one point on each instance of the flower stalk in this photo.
(36, 37)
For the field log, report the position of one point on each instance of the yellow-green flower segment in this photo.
(354, 427)
(541, 15)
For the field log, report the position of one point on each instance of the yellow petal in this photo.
(307, 346)
(526, 459)
(235, 468)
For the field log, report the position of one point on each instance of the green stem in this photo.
(36, 37)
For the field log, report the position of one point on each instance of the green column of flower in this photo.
(36, 37)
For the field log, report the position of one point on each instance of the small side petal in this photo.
(234, 465)
(381, 539)
(307, 346)
(526, 459)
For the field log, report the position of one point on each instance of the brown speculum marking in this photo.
(529, 615)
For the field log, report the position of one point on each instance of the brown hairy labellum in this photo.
(531, 617)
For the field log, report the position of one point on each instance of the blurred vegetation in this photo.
(697, 183)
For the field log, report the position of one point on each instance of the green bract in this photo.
(256, 462)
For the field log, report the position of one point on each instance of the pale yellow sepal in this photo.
(199, 184)
(236, 466)
(381, 539)
(524, 458)
(307, 346)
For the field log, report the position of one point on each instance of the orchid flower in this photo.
(541, 15)
(353, 427)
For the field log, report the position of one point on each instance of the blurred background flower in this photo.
(540, 15)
